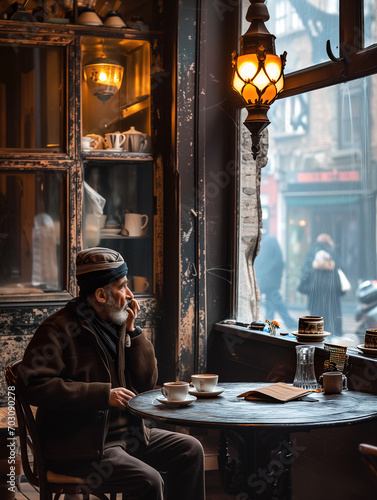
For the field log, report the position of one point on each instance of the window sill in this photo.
(240, 354)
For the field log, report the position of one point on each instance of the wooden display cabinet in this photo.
(45, 174)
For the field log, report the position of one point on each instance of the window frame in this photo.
(355, 61)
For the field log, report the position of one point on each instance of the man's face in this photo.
(118, 297)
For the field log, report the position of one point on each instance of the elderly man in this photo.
(82, 366)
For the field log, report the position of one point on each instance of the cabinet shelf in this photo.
(121, 237)
(103, 154)
(36, 29)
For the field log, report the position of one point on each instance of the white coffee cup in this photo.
(140, 284)
(175, 391)
(134, 224)
(87, 143)
(205, 382)
(332, 382)
(115, 140)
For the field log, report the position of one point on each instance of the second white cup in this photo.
(205, 382)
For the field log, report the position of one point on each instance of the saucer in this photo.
(211, 394)
(370, 351)
(311, 337)
(189, 399)
(114, 150)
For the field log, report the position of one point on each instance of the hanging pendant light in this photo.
(257, 71)
(104, 77)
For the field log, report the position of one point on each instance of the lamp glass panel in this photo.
(280, 84)
(237, 82)
(247, 66)
(250, 94)
(273, 67)
(269, 94)
(261, 80)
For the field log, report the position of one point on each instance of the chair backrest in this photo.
(31, 453)
(369, 454)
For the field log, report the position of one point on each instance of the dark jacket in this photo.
(269, 264)
(67, 375)
(320, 282)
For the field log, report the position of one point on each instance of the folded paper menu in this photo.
(279, 392)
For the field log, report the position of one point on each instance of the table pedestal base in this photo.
(262, 470)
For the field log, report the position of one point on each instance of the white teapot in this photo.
(136, 142)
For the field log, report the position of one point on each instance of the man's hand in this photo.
(119, 397)
(132, 310)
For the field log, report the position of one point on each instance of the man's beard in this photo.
(117, 315)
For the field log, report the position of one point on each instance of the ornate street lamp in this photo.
(257, 71)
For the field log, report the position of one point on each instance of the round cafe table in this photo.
(260, 431)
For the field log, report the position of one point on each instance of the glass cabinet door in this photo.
(116, 88)
(115, 146)
(118, 214)
(32, 90)
(32, 231)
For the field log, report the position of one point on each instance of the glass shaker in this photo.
(305, 375)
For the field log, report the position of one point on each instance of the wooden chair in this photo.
(33, 463)
(369, 453)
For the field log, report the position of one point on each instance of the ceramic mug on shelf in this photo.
(96, 141)
(140, 284)
(134, 224)
(115, 140)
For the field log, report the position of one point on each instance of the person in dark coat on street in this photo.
(320, 282)
(269, 267)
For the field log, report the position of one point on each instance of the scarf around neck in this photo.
(112, 338)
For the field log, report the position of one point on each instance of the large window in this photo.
(318, 189)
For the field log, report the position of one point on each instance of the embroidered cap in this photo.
(96, 267)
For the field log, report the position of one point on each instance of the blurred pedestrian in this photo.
(320, 282)
(269, 267)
